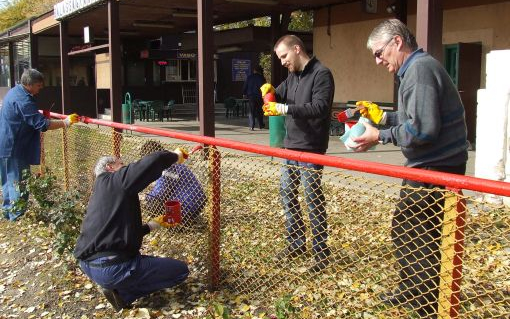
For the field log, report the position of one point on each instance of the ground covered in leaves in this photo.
(35, 282)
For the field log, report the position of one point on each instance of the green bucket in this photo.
(277, 131)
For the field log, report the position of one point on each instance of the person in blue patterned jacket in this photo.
(176, 183)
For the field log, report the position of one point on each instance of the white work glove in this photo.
(153, 225)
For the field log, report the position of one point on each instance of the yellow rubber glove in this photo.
(274, 109)
(182, 153)
(71, 119)
(267, 88)
(371, 111)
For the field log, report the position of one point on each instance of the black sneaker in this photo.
(320, 264)
(397, 298)
(290, 252)
(114, 299)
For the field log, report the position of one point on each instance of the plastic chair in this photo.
(155, 109)
(167, 109)
(230, 106)
(138, 109)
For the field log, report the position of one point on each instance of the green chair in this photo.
(155, 110)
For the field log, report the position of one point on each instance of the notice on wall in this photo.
(240, 70)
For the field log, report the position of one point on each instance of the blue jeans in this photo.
(11, 173)
(310, 175)
(137, 277)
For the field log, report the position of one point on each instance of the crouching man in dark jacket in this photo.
(112, 231)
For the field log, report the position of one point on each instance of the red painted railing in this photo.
(438, 178)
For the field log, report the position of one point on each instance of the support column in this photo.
(205, 67)
(64, 66)
(12, 80)
(429, 27)
(401, 14)
(278, 28)
(34, 44)
(115, 65)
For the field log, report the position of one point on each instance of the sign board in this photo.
(103, 71)
(69, 7)
(240, 69)
(186, 55)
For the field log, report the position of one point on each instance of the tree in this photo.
(16, 11)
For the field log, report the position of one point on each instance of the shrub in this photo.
(61, 210)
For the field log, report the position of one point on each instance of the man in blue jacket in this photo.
(251, 90)
(305, 97)
(20, 128)
(430, 128)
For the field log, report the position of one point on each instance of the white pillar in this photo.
(492, 129)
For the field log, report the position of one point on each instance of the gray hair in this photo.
(102, 163)
(388, 29)
(31, 77)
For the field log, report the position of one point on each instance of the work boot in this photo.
(114, 299)
(290, 252)
(322, 260)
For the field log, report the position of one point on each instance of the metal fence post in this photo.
(214, 217)
(117, 138)
(42, 164)
(452, 248)
(65, 159)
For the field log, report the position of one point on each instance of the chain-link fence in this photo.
(340, 245)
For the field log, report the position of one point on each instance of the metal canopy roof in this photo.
(154, 18)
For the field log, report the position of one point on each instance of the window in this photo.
(181, 70)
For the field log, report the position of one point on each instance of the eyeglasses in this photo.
(379, 53)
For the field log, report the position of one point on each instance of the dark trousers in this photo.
(256, 112)
(310, 175)
(416, 235)
(137, 277)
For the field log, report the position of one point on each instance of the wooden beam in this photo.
(94, 48)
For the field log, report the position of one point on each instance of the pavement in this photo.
(237, 129)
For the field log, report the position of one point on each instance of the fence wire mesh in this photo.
(339, 244)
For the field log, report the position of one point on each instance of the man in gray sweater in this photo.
(430, 128)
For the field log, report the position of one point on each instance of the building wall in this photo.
(356, 75)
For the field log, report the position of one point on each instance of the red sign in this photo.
(162, 63)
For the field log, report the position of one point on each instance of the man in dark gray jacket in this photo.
(305, 97)
(108, 248)
(431, 130)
